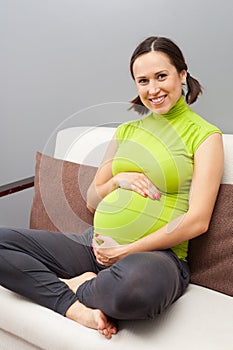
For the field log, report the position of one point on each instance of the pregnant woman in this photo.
(150, 196)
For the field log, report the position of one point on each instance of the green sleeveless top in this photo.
(162, 147)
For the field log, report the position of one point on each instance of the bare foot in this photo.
(75, 282)
(91, 318)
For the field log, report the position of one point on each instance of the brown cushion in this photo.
(211, 254)
(59, 202)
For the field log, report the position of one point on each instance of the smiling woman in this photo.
(150, 195)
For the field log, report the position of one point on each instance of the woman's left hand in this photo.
(109, 252)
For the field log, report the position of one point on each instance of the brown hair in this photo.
(176, 58)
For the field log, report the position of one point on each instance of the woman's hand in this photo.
(108, 252)
(139, 183)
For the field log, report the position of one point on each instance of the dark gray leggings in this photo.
(140, 286)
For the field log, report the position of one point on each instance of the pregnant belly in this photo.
(127, 216)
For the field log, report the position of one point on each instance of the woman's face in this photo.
(159, 85)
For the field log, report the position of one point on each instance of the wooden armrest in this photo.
(16, 186)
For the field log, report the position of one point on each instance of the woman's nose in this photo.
(153, 88)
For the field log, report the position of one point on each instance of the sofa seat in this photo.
(200, 319)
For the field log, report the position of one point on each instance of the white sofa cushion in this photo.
(201, 319)
(84, 145)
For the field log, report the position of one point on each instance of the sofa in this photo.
(201, 319)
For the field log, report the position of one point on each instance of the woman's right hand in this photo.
(137, 182)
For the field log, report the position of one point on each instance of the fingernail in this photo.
(97, 235)
(145, 195)
(158, 196)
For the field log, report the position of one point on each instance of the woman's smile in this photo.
(158, 100)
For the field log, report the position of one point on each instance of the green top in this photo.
(162, 147)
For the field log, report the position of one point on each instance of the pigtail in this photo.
(138, 106)
(194, 88)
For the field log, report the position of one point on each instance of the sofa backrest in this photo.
(84, 144)
(228, 159)
(87, 145)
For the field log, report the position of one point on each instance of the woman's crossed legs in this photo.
(37, 263)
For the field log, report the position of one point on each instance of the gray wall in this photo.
(63, 63)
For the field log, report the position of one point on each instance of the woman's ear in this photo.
(183, 76)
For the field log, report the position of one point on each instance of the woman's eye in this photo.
(142, 81)
(162, 76)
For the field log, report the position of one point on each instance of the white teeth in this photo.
(156, 100)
